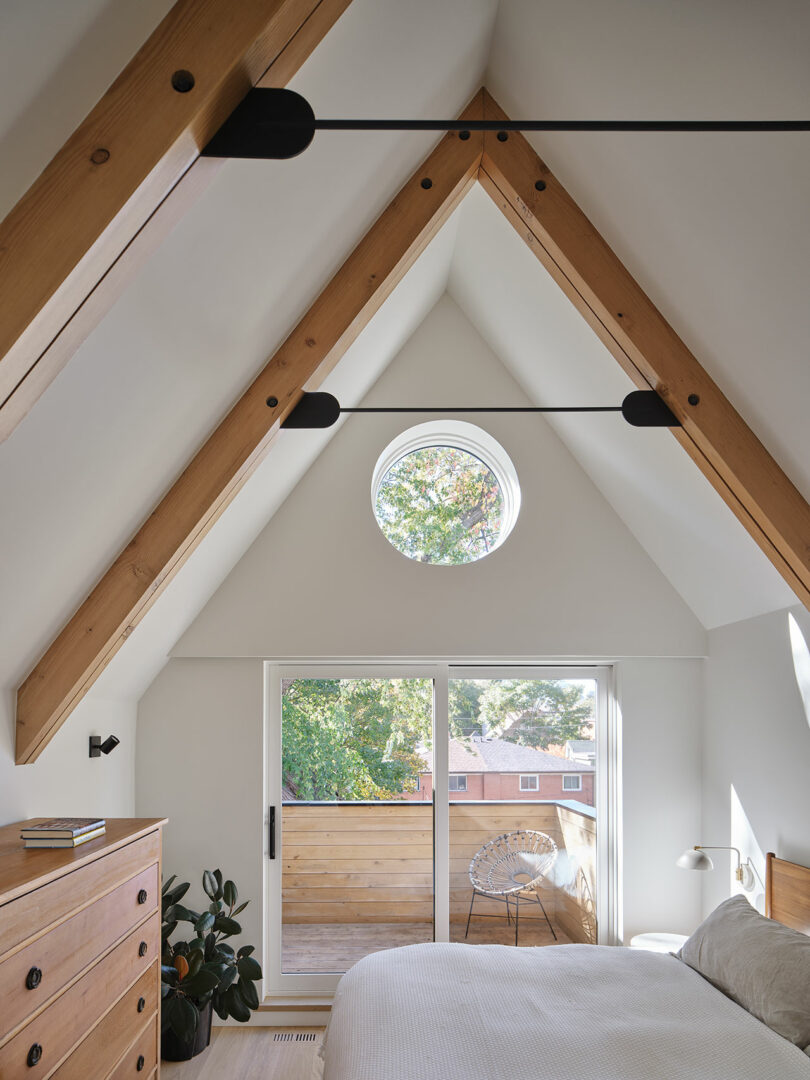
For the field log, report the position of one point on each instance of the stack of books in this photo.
(63, 832)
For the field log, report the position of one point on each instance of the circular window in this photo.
(445, 493)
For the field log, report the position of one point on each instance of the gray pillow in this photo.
(760, 964)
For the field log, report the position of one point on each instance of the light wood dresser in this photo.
(80, 956)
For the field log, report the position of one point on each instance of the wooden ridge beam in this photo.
(714, 434)
(81, 651)
(116, 174)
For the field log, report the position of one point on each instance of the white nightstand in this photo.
(665, 943)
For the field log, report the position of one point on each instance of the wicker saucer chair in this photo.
(509, 868)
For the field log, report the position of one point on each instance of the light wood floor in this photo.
(314, 947)
(254, 1053)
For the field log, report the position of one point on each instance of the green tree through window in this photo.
(440, 505)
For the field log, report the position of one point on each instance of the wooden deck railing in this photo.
(373, 862)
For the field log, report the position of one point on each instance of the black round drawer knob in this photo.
(140, 1062)
(141, 1004)
(142, 896)
(33, 978)
(143, 948)
(34, 1055)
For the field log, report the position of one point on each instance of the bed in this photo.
(566, 1012)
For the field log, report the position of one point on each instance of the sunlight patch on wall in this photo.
(742, 836)
(801, 662)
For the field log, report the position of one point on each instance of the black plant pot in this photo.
(173, 1048)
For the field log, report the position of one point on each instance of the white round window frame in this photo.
(460, 436)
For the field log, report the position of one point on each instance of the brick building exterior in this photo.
(484, 768)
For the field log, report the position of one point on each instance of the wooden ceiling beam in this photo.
(128, 172)
(81, 651)
(714, 434)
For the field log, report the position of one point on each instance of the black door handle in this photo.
(271, 833)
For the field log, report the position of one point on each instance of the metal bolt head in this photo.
(427, 183)
(182, 81)
(693, 399)
(540, 185)
(464, 135)
(272, 402)
(502, 136)
(100, 155)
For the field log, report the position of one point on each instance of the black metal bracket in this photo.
(641, 408)
(276, 123)
(267, 123)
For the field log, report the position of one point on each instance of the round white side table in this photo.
(664, 943)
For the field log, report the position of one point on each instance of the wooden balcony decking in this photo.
(358, 877)
(309, 948)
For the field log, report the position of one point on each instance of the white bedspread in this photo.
(566, 1012)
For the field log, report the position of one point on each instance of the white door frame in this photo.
(607, 794)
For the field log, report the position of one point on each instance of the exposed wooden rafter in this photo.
(576, 256)
(125, 593)
(128, 173)
(714, 434)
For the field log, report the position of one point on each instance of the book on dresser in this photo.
(80, 954)
(63, 832)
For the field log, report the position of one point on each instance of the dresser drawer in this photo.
(35, 1050)
(140, 1060)
(112, 1049)
(29, 915)
(31, 977)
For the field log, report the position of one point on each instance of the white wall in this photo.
(756, 788)
(322, 580)
(65, 780)
(200, 763)
(661, 713)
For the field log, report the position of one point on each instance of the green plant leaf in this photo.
(178, 913)
(220, 1008)
(248, 968)
(195, 986)
(195, 961)
(209, 883)
(230, 893)
(204, 923)
(168, 884)
(248, 993)
(210, 946)
(215, 907)
(241, 907)
(236, 1006)
(225, 948)
(246, 950)
(168, 929)
(227, 976)
(181, 947)
(218, 878)
(227, 926)
(177, 893)
(182, 1016)
(196, 943)
(168, 974)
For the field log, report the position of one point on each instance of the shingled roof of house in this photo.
(498, 755)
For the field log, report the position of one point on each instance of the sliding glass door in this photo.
(350, 834)
(384, 785)
(522, 750)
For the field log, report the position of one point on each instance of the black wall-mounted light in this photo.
(641, 408)
(276, 123)
(97, 747)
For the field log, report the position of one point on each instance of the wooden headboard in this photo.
(787, 893)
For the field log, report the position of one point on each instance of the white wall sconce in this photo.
(696, 859)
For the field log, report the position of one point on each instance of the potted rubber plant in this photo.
(203, 973)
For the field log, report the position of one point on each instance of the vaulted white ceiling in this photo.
(715, 228)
